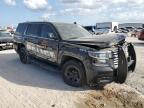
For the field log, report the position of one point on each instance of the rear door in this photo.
(32, 38)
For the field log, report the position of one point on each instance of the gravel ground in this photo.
(30, 86)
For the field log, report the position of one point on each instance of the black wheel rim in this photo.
(72, 74)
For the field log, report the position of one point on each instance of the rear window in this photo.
(21, 29)
(33, 30)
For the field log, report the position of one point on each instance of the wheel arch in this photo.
(19, 45)
(66, 58)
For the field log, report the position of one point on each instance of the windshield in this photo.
(71, 31)
(4, 34)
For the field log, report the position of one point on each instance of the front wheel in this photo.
(74, 73)
(24, 57)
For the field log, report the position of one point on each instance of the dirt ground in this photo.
(30, 86)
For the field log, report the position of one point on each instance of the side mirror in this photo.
(51, 36)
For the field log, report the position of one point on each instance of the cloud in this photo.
(94, 4)
(118, 10)
(10, 2)
(47, 15)
(99, 10)
(36, 4)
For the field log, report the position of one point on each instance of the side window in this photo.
(21, 29)
(47, 32)
(33, 30)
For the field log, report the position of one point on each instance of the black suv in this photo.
(82, 57)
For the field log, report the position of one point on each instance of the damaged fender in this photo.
(132, 55)
(121, 72)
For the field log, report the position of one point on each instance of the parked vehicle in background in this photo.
(6, 40)
(82, 57)
(132, 28)
(138, 30)
(122, 30)
(100, 31)
(106, 27)
(131, 31)
(140, 34)
(90, 29)
(134, 25)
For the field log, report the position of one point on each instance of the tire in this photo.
(74, 73)
(121, 72)
(24, 57)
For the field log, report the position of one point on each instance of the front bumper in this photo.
(106, 73)
(101, 74)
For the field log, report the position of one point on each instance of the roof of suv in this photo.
(46, 22)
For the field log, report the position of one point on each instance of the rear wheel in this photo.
(24, 57)
(74, 73)
(121, 72)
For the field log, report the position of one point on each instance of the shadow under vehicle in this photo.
(82, 57)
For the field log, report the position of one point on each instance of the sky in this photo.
(84, 12)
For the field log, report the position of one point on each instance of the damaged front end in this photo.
(116, 65)
(126, 62)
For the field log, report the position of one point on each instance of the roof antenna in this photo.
(75, 22)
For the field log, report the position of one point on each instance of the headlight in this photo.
(102, 56)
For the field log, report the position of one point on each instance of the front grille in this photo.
(115, 59)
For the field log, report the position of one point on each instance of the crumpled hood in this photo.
(101, 41)
(6, 39)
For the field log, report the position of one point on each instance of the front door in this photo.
(48, 43)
